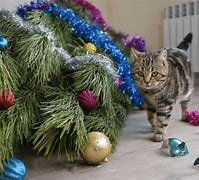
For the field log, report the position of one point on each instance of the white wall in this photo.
(142, 17)
(10, 4)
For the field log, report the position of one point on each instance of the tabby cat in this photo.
(163, 78)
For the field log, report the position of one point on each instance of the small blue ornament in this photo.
(174, 147)
(196, 162)
(14, 169)
(3, 43)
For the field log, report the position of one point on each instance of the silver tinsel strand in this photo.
(71, 62)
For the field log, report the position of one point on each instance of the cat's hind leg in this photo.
(184, 107)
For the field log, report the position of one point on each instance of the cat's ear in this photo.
(162, 55)
(136, 54)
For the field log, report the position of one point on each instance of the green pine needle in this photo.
(5, 150)
(109, 125)
(18, 120)
(121, 98)
(10, 30)
(37, 60)
(65, 37)
(63, 131)
(16, 124)
(92, 77)
(9, 75)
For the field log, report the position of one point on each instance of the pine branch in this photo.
(120, 115)
(5, 150)
(9, 29)
(17, 123)
(63, 131)
(110, 125)
(33, 52)
(18, 120)
(9, 75)
(94, 78)
(62, 31)
(122, 99)
(37, 60)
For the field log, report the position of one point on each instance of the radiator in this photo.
(178, 22)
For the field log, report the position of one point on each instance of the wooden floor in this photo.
(136, 158)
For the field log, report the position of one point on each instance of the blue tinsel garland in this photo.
(93, 35)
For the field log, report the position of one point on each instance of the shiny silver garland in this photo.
(71, 62)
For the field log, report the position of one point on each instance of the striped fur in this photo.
(163, 78)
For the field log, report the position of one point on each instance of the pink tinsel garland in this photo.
(192, 117)
(96, 15)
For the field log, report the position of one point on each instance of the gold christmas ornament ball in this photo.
(90, 48)
(97, 149)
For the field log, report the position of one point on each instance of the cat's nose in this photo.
(147, 82)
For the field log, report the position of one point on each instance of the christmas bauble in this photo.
(196, 162)
(174, 147)
(14, 169)
(3, 43)
(97, 149)
(87, 99)
(6, 99)
(90, 48)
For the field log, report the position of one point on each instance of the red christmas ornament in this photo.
(87, 99)
(6, 99)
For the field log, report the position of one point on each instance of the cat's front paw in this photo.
(158, 137)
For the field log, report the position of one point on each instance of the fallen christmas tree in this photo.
(61, 78)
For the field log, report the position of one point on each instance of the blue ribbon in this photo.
(94, 35)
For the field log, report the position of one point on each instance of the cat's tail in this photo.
(184, 44)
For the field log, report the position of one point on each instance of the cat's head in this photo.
(149, 69)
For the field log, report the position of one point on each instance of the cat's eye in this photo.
(154, 74)
(140, 73)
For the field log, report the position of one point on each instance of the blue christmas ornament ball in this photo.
(3, 43)
(174, 147)
(196, 162)
(14, 169)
